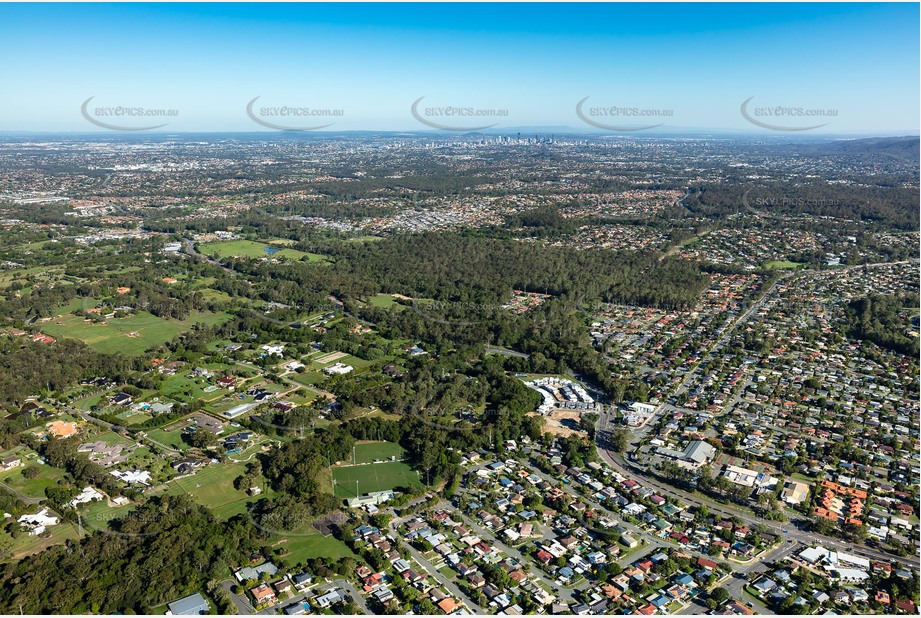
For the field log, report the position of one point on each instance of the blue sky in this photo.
(537, 61)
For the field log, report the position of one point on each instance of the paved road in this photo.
(788, 531)
(491, 349)
(725, 335)
(239, 600)
(617, 462)
(356, 596)
(564, 593)
(428, 566)
(695, 608)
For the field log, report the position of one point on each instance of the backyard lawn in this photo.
(26, 544)
(170, 436)
(98, 515)
(32, 488)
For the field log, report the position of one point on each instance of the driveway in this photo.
(239, 600)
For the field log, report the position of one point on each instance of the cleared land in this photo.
(132, 335)
(385, 301)
(781, 265)
(213, 487)
(252, 249)
(307, 543)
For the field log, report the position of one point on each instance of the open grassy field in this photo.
(27, 545)
(384, 301)
(302, 397)
(308, 543)
(212, 295)
(308, 378)
(98, 515)
(170, 436)
(131, 335)
(186, 389)
(326, 360)
(252, 249)
(42, 273)
(32, 488)
(781, 265)
(373, 477)
(367, 452)
(213, 487)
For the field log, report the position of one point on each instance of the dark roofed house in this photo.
(302, 580)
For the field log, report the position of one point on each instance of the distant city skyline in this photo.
(761, 69)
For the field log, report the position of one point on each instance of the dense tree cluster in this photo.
(28, 369)
(882, 319)
(469, 268)
(894, 206)
(133, 569)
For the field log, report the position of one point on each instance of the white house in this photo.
(87, 495)
(39, 522)
(274, 350)
(338, 369)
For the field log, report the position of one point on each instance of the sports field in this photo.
(367, 452)
(373, 477)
